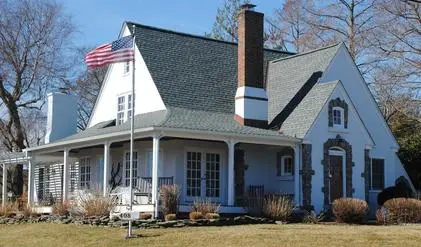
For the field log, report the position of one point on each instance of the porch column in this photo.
(4, 189)
(231, 174)
(65, 174)
(297, 156)
(31, 181)
(106, 168)
(155, 164)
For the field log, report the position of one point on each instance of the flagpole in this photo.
(129, 233)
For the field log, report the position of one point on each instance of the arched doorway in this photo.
(337, 174)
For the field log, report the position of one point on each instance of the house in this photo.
(224, 121)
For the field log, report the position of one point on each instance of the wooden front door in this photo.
(336, 177)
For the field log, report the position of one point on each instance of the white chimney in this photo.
(61, 116)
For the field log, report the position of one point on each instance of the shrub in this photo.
(62, 208)
(27, 210)
(93, 203)
(170, 196)
(195, 215)
(169, 217)
(401, 190)
(212, 216)
(9, 209)
(204, 207)
(349, 210)
(381, 216)
(278, 207)
(313, 218)
(402, 210)
(145, 216)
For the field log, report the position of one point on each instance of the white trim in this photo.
(251, 92)
(341, 117)
(124, 178)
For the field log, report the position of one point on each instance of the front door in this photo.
(203, 176)
(336, 177)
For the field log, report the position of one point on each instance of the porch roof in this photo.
(174, 118)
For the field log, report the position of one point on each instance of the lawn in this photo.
(250, 235)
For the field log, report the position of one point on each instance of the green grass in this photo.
(250, 235)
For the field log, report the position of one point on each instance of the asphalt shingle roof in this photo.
(303, 116)
(192, 71)
(286, 76)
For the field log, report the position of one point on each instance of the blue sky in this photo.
(99, 21)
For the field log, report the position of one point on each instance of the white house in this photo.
(223, 121)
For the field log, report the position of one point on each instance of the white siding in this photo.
(355, 134)
(116, 83)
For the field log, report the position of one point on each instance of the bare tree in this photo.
(34, 35)
(288, 27)
(86, 87)
(225, 25)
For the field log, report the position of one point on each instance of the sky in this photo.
(100, 21)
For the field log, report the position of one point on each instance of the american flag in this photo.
(117, 51)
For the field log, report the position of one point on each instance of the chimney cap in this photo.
(247, 6)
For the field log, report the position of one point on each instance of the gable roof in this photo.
(287, 76)
(307, 110)
(192, 71)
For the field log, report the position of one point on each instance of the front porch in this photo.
(224, 171)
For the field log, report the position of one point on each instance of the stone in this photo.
(167, 223)
(66, 221)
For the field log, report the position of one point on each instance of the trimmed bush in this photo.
(169, 217)
(62, 208)
(349, 210)
(195, 215)
(9, 209)
(402, 210)
(170, 195)
(145, 216)
(204, 207)
(93, 203)
(278, 207)
(212, 216)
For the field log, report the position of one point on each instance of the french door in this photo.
(203, 172)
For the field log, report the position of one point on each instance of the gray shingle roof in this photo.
(287, 76)
(192, 71)
(302, 117)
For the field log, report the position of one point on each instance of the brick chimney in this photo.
(251, 102)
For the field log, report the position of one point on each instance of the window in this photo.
(120, 109)
(337, 116)
(377, 174)
(126, 68)
(127, 169)
(285, 166)
(124, 108)
(85, 173)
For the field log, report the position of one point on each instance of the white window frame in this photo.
(126, 68)
(341, 115)
(85, 177)
(282, 172)
(124, 113)
(126, 179)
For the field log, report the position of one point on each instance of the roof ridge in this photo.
(306, 53)
(199, 36)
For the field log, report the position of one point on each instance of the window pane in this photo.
(377, 174)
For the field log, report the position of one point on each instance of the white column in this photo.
(155, 164)
(31, 181)
(4, 189)
(65, 174)
(231, 175)
(106, 168)
(297, 156)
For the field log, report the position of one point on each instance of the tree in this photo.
(288, 27)
(225, 25)
(34, 36)
(86, 88)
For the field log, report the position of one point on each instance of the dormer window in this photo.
(338, 117)
(124, 108)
